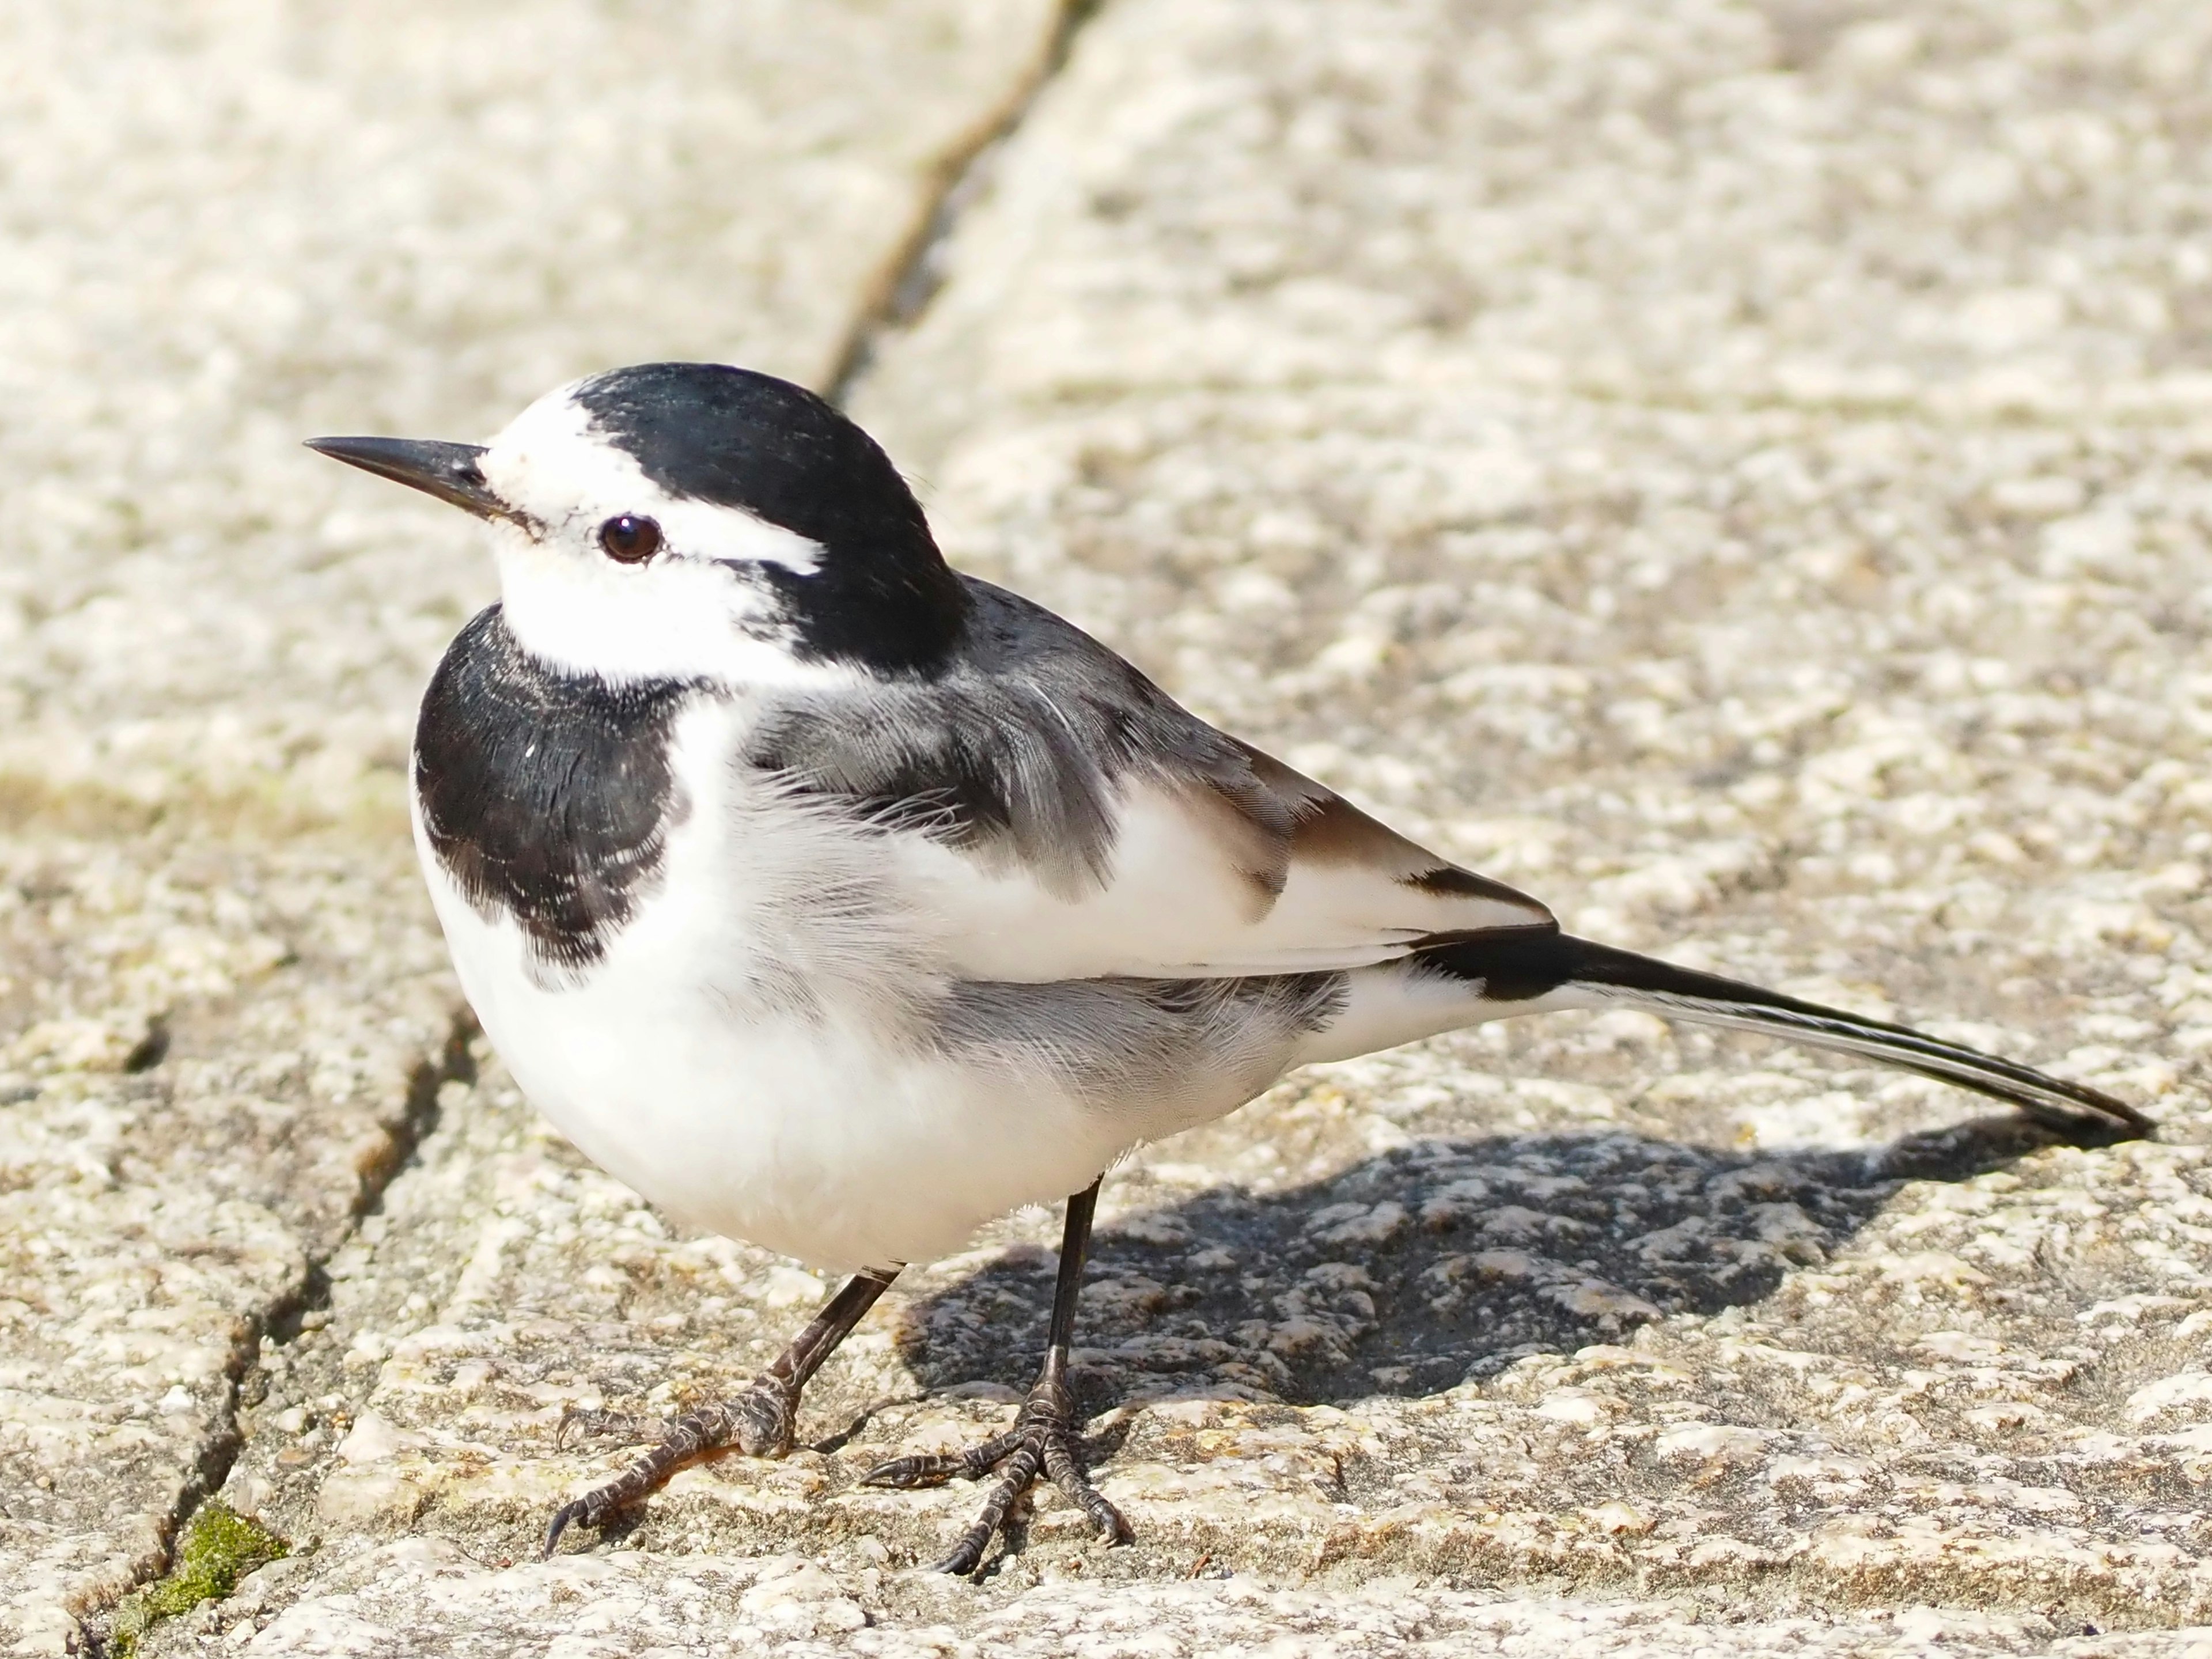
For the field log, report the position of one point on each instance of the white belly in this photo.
(738, 1059)
(806, 1135)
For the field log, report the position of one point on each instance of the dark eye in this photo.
(630, 538)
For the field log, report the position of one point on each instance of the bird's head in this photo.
(690, 520)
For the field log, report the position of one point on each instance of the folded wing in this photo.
(1051, 814)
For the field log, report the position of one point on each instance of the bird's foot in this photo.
(759, 1422)
(1042, 1439)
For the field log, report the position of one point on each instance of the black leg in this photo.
(760, 1420)
(1043, 1435)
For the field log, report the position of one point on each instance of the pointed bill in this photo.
(449, 472)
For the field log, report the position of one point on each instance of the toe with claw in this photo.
(758, 1422)
(761, 1421)
(1042, 1441)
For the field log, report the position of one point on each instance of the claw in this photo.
(935, 1469)
(760, 1422)
(1043, 1440)
(562, 1517)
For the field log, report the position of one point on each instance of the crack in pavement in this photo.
(914, 276)
(282, 1320)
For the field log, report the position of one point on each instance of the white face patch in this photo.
(696, 609)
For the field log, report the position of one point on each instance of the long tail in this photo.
(1525, 964)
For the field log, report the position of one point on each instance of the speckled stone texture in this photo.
(224, 1011)
(1744, 473)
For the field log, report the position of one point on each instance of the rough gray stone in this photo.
(223, 1009)
(423, 1596)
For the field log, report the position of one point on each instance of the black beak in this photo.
(449, 472)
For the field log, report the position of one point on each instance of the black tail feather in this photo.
(1521, 964)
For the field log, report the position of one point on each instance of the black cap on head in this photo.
(883, 595)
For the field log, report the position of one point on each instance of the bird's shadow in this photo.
(1417, 1269)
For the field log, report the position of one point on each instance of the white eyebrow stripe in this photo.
(702, 529)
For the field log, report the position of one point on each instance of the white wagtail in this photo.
(840, 902)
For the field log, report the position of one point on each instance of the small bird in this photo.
(840, 902)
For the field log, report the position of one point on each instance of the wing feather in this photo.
(1049, 814)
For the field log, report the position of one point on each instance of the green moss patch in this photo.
(220, 1546)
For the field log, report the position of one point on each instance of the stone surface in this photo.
(1744, 473)
(1788, 1383)
(223, 1009)
(420, 1595)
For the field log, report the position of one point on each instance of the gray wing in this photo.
(1055, 815)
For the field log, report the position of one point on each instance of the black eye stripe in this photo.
(629, 539)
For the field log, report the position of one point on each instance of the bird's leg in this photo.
(759, 1421)
(1043, 1435)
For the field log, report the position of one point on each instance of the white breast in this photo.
(747, 1055)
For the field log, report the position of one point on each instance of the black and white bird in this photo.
(840, 902)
